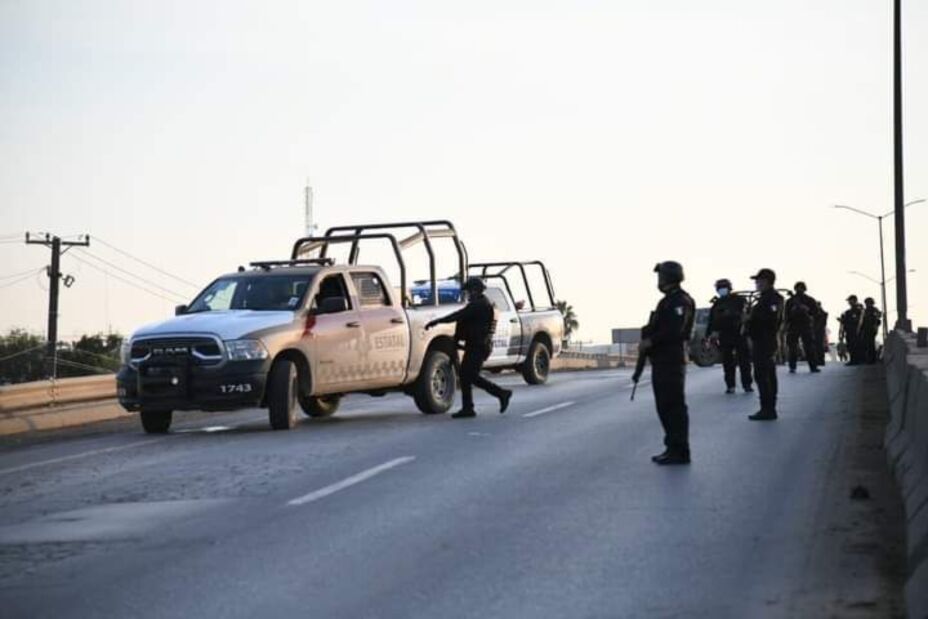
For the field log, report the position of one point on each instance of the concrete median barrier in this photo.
(48, 404)
(907, 451)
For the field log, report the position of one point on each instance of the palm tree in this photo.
(571, 323)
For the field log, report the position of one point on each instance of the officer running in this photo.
(476, 323)
(763, 328)
(869, 327)
(851, 321)
(664, 340)
(801, 314)
(724, 330)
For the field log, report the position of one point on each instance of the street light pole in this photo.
(883, 284)
(902, 322)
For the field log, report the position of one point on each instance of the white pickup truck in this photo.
(297, 334)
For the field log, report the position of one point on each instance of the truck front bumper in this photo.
(183, 386)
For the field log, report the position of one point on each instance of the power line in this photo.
(29, 272)
(84, 366)
(20, 280)
(22, 352)
(129, 273)
(148, 264)
(124, 280)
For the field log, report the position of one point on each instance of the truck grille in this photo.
(195, 350)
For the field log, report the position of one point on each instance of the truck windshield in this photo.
(258, 292)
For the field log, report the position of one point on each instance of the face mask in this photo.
(723, 292)
(758, 285)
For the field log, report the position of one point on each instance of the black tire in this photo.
(537, 365)
(437, 384)
(156, 422)
(320, 406)
(282, 389)
(705, 356)
(495, 370)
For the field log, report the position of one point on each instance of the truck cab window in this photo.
(371, 291)
(332, 287)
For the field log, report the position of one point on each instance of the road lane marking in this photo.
(550, 409)
(351, 481)
(83, 454)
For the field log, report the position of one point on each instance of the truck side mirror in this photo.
(180, 309)
(333, 305)
(520, 305)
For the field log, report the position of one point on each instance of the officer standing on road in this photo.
(801, 314)
(724, 330)
(763, 328)
(476, 323)
(664, 340)
(870, 326)
(820, 332)
(851, 321)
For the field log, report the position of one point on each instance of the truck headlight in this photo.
(245, 350)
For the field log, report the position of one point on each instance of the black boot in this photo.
(504, 401)
(763, 415)
(464, 413)
(672, 458)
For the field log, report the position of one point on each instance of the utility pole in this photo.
(902, 322)
(308, 209)
(54, 276)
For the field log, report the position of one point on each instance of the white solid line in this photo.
(84, 454)
(550, 409)
(351, 481)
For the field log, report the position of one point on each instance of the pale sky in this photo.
(601, 137)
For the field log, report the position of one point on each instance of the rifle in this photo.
(642, 357)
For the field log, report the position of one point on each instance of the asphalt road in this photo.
(552, 510)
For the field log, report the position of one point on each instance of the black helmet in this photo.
(474, 284)
(723, 283)
(672, 271)
(800, 285)
(852, 298)
(869, 301)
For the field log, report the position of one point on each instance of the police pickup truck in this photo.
(528, 335)
(297, 334)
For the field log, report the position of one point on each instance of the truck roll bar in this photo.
(505, 266)
(426, 231)
(312, 243)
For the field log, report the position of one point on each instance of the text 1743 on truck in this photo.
(298, 334)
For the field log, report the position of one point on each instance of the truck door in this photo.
(385, 349)
(507, 341)
(333, 328)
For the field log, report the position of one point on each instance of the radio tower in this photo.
(308, 198)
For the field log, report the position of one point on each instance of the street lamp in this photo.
(879, 219)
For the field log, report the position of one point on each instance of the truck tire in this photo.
(437, 383)
(538, 364)
(282, 388)
(705, 356)
(156, 422)
(320, 406)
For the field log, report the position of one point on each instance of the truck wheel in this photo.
(282, 389)
(322, 406)
(705, 356)
(434, 392)
(156, 422)
(538, 364)
(495, 370)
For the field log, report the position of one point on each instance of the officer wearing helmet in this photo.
(869, 327)
(851, 321)
(763, 328)
(724, 330)
(476, 323)
(664, 340)
(801, 314)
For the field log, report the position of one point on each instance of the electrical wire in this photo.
(18, 281)
(22, 352)
(126, 281)
(148, 264)
(146, 281)
(83, 366)
(29, 272)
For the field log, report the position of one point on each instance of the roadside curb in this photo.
(55, 417)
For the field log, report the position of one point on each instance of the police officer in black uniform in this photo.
(664, 340)
(851, 321)
(869, 327)
(476, 323)
(801, 313)
(724, 328)
(763, 328)
(820, 333)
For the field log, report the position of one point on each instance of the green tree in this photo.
(571, 323)
(22, 357)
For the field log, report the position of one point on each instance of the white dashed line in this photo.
(351, 481)
(83, 454)
(550, 409)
